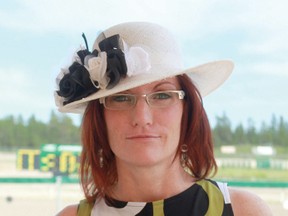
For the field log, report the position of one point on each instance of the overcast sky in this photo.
(38, 37)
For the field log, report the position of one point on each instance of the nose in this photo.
(141, 113)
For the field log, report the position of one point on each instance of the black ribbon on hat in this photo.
(77, 84)
(116, 64)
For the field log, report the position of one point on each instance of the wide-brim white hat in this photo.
(162, 59)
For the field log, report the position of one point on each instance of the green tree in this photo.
(282, 133)
(251, 133)
(265, 134)
(239, 135)
(7, 137)
(20, 132)
(16, 133)
(222, 133)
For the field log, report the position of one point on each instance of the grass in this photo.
(245, 174)
(249, 174)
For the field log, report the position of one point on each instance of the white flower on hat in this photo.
(137, 60)
(58, 99)
(97, 67)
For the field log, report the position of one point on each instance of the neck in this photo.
(146, 184)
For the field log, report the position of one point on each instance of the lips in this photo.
(142, 136)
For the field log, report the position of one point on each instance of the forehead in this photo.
(168, 82)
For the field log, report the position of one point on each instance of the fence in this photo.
(68, 180)
(253, 163)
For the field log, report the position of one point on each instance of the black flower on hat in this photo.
(116, 64)
(81, 81)
(76, 84)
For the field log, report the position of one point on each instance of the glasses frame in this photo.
(181, 95)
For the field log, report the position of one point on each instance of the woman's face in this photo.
(144, 135)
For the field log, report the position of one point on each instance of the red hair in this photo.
(195, 133)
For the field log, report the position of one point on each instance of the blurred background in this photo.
(40, 147)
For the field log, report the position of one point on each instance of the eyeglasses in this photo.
(158, 99)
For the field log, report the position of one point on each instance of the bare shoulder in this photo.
(70, 210)
(246, 203)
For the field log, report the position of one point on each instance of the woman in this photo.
(147, 146)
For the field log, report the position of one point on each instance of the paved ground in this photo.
(47, 199)
(36, 199)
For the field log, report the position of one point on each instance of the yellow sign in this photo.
(28, 159)
(60, 159)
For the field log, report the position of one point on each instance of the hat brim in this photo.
(206, 77)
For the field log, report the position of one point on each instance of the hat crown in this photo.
(156, 40)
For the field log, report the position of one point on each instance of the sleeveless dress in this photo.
(205, 197)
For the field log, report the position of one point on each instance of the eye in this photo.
(121, 98)
(161, 95)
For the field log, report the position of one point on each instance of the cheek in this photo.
(171, 120)
(114, 124)
(177, 120)
(176, 127)
(173, 117)
(112, 118)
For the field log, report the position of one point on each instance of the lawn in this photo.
(246, 174)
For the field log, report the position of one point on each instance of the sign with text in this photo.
(57, 158)
(60, 159)
(28, 159)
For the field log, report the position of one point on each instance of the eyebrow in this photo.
(164, 83)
